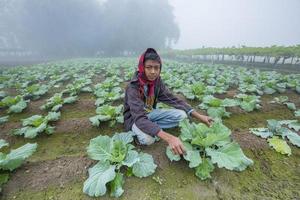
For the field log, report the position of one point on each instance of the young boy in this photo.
(141, 96)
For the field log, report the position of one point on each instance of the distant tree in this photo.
(133, 25)
(83, 27)
(56, 27)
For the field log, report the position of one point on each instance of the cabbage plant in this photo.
(276, 133)
(115, 155)
(13, 159)
(36, 124)
(35, 91)
(108, 113)
(14, 104)
(57, 101)
(249, 102)
(108, 96)
(206, 146)
(216, 107)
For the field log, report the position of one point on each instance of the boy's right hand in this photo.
(173, 141)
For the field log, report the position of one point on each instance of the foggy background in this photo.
(226, 23)
(77, 28)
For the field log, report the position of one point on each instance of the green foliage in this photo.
(57, 101)
(2, 94)
(36, 124)
(16, 157)
(194, 91)
(4, 177)
(107, 97)
(262, 132)
(116, 185)
(216, 107)
(109, 84)
(196, 81)
(15, 104)
(249, 102)
(207, 146)
(3, 143)
(297, 113)
(108, 113)
(273, 51)
(277, 131)
(280, 99)
(99, 176)
(279, 145)
(3, 119)
(114, 153)
(13, 159)
(229, 156)
(290, 105)
(35, 91)
(78, 85)
(269, 87)
(54, 103)
(70, 100)
(204, 169)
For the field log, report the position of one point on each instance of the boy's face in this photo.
(152, 69)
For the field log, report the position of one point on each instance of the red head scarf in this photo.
(143, 79)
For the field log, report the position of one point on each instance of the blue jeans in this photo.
(165, 118)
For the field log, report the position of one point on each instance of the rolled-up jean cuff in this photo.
(190, 112)
(144, 138)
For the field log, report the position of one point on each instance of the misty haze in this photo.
(149, 99)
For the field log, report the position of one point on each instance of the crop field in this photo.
(62, 134)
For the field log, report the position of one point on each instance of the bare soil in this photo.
(37, 176)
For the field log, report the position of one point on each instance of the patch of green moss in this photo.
(16, 117)
(73, 191)
(56, 145)
(291, 94)
(273, 176)
(63, 144)
(178, 183)
(256, 118)
(87, 95)
(73, 113)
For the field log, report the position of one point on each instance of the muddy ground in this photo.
(59, 167)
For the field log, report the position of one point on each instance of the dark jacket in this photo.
(134, 106)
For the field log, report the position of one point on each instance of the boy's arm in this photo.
(138, 113)
(170, 99)
(167, 97)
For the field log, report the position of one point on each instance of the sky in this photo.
(226, 23)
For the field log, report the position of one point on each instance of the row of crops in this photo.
(62, 83)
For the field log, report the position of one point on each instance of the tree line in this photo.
(272, 55)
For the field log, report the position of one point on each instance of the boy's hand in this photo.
(176, 145)
(203, 118)
(173, 141)
(207, 120)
